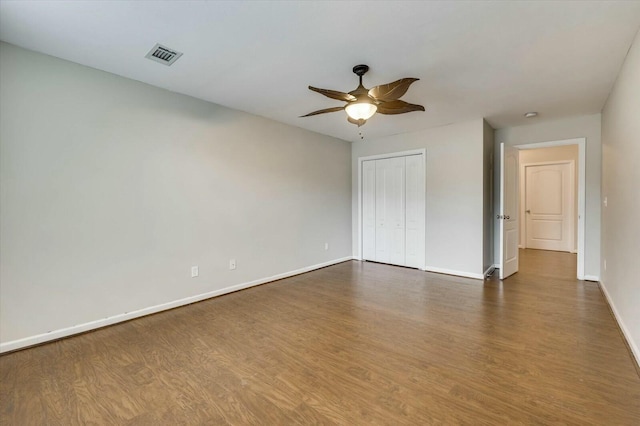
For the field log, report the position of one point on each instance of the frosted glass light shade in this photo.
(361, 110)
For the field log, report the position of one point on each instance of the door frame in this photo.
(422, 152)
(582, 176)
(523, 201)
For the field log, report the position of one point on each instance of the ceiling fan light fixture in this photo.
(363, 103)
(361, 110)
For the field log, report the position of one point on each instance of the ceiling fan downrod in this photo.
(360, 70)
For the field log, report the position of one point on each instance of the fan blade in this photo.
(391, 91)
(334, 94)
(356, 122)
(323, 111)
(398, 107)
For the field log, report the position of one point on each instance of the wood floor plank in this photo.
(354, 343)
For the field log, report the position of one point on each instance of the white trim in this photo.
(423, 152)
(625, 331)
(93, 325)
(452, 272)
(573, 251)
(590, 278)
(523, 195)
(582, 176)
(393, 154)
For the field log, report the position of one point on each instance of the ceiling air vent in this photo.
(163, 54)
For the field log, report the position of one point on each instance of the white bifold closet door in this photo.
(414, 212)
(393, 210)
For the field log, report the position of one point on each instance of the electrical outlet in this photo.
(326, 246)
(232, 264)
(605, 264)
(605, 201)
(194, 271)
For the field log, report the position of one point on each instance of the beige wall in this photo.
(454, 204)
(621, 187)
(588, 127)
(112, 189)
(540, 155)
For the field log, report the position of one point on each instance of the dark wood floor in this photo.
(355, 343)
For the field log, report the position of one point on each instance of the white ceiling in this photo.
(496, 60)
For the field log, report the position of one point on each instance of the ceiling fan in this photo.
(363, 103)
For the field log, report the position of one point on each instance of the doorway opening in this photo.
(556, 204)
(548, 198)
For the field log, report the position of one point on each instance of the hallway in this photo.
(549, 264)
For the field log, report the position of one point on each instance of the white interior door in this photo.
(395, 205)
(508, 217)
(389, 237)
(415, 214)
(369, 210)
(390, 197)
(383, 222)
(549, 206)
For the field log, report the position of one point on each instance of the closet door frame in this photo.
(422, 152)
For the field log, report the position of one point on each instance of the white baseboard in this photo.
(452, 272)
(590, 278)
(627, 335)
(93, 325)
